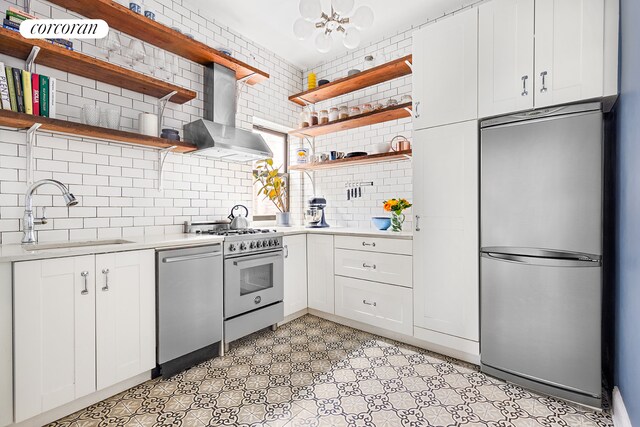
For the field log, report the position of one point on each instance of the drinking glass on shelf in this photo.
(161, 63)
(91, 115)
(110, 118)
(110, 43)
(136, 50)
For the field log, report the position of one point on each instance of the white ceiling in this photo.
(270, 23)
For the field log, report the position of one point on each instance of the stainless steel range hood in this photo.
(216, 135)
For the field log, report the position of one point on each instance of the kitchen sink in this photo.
(64, 245)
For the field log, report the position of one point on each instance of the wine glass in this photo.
(110, 43)
(136, 50)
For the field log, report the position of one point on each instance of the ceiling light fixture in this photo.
(313, 18)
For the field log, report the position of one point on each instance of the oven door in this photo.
(252, 282)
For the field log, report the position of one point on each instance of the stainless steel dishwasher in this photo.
(189, 312)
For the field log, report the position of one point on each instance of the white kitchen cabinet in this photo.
(6, 344)
(539, 53)
(321, 291)
(569, 50)
(125, 315)
(445, 71)
(54, 333)
(295, 273)
(376, 304)
(505, 56)
(445, 242)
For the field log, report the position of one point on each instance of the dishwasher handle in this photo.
(191, 257)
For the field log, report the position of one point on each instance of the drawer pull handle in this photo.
(85, 274)
(369, 244)
(105, 272)
(364, 301)
(365, 265)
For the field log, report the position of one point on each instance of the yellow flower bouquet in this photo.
(396, 206)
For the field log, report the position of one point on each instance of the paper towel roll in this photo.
(148, 124)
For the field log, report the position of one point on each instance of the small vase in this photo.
(283, 219)
(397, 219)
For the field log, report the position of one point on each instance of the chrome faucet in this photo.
(28, 221)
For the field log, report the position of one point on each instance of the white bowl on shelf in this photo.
(381, 147)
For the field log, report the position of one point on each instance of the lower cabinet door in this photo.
(54, 333)
(385, 306)
(125, 315)
(321, 292)
(295, 273)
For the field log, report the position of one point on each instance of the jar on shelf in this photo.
(367, 108)
(343, 112)
(378, 106)
(368, 63)
(323, 117)
(392, 102)
(313, 118)
(354, 111)
(304, 119)
(333, 114)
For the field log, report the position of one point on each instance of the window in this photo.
(278, 142)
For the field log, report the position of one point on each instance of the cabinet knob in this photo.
(85, 275)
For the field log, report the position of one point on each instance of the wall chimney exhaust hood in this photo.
(216, 135)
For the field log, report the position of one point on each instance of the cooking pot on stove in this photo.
(238, 221)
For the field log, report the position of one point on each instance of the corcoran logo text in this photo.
(64, 28)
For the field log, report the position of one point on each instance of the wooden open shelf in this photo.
(382, 73)
(353, 161)
(136, 25)
(386, 114)
(13, 44)
(12, 119)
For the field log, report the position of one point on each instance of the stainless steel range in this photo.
(253, 277)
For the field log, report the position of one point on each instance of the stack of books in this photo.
(14, 18)
(25, 92)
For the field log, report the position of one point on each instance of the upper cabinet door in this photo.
(125, 315)
(569, 51)
(445, 71)
(54, 333)
(505, 67)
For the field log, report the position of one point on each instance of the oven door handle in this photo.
(191, 257)
(261, 259)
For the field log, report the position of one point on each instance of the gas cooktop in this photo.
(240, 241)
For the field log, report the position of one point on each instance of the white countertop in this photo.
(17, 252)
(344, 231)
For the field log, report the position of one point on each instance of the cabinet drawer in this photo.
(376, 304)
(378, 267)
(374, 244)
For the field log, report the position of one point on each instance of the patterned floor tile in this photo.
(312, 372)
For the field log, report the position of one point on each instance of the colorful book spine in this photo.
(12, 88)
(17, 82)
(27, 92)
(5, 101)
(52, 97)
(35, 93)
(16, 17)
(10, 24)
(44, 96)
(21, 12)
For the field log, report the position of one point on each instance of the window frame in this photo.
(285, 137)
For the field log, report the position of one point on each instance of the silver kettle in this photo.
(237, 221)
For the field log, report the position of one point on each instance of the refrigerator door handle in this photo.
(549, 262)
(541, 253)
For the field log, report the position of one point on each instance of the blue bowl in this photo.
(381, 222)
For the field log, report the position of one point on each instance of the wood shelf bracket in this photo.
(31, 59)
(31, 134)
(162, 105)
(162, 157)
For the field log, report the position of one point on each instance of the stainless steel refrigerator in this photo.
(541, 250)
